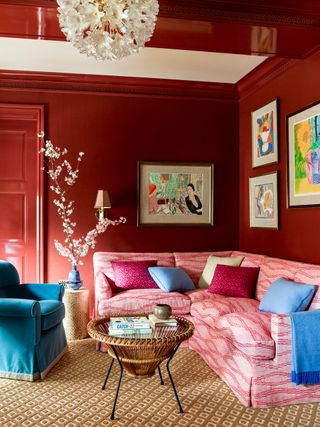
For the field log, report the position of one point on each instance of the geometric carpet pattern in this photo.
(71, 396)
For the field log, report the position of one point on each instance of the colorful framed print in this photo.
(264, 201)
(175, 194)
(264, 123)
(303, 130)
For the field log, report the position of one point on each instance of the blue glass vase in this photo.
(74, 281)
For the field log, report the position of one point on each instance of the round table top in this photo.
(99, 330)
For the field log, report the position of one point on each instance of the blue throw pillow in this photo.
(171, 279)
(285, 297)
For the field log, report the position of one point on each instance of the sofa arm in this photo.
(43, 291)
(281, 334)
(14, 307)
(103, 289)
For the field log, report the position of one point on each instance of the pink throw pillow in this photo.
(133, 274)
(234, 281)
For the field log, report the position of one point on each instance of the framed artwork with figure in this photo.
(303, 130)
(175, 194)
(264, 125)
(264, 201)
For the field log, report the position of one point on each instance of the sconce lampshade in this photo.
(102, 200)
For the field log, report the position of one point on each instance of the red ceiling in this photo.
(289, 28)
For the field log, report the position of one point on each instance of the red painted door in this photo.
(21, 187)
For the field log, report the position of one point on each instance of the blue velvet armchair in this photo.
(32, 337)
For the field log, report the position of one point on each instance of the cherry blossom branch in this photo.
(56, 168)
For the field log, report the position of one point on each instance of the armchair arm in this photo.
(43, 291)
(14, 307)
(281, 334)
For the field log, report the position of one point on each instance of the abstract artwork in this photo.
(264, 201)
(265, 135)
(304, 157)
(175, 193)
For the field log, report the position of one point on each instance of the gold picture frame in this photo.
(264, 128)
(264, 201)
(303, 137)
(175, 194)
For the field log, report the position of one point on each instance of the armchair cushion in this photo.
(47, 291)
(35, 291)
(52, 313)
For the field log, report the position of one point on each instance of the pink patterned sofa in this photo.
(250, 350)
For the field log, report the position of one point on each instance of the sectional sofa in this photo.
(249, 349)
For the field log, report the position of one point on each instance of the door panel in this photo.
(21, 189)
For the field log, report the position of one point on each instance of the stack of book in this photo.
(123, 326)
(156, 322)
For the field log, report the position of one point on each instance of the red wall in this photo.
(117, 130)
(299, 228)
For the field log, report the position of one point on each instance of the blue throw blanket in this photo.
(305, 347)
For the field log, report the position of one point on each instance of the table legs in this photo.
(119, 381)
(109, 370)
(120, 378)
(160, 375)
(171, 379)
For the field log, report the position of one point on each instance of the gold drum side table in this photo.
(77, 313)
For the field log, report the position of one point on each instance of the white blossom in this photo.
(61, 173)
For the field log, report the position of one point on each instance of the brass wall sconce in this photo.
(102, 203)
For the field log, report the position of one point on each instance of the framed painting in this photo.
(264, 125)
(264, 201)
(175, 194)
(303, 133)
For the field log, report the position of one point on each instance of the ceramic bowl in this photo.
(162, 311)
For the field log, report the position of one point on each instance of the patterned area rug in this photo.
(71, 396)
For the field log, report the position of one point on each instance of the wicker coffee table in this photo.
(141, 355)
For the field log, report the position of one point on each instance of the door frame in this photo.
(33, 111)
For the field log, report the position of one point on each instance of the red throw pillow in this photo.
(234, 281)
(133, 274)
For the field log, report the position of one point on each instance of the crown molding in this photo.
(291, 12)
(263, 74)
(75, 83)
(208, 25)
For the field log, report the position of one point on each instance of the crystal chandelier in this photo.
(108, 29)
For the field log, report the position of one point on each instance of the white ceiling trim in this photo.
(62, 57)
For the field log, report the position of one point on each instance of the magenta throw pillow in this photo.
(234, 281)
(133, 274)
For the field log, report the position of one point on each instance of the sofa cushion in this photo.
(133, 274)
(211, 309)
(200, 295)
(310, 273)
(212, 262)
(249, 333)
(171, 279)
(285, 296)
(143, 300)
(52, 313)
(250, 260)
(234, 281)
(272, 269)
(193, 263)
